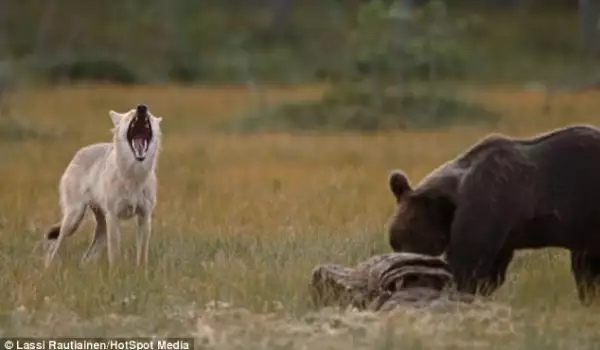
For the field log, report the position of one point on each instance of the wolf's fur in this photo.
(116, 182)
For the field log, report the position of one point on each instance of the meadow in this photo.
(243, 218)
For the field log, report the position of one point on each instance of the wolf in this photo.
(117, 181)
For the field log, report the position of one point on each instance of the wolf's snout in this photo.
(139, 133)
(142, 109)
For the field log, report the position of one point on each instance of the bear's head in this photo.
(423, 217)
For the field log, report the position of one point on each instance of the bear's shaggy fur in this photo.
(505, 194)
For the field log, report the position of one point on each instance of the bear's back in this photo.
(566, 158)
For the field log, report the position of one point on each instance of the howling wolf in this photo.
(117, 181)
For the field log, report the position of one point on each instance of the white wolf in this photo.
(117, 181)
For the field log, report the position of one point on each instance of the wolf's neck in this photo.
(132, 172)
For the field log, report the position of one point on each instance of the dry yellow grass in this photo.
(241, 220)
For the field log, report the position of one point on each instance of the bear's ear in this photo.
(399, 185)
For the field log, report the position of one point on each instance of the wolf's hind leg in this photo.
(70, 222)
(99, 239)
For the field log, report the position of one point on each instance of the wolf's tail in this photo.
(53, 232)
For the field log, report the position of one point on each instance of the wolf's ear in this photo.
(116, 117)
(158, 119)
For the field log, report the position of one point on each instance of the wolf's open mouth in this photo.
(139, 133)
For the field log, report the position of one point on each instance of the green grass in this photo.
(241, 221)
(358, 110)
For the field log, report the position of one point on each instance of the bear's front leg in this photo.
(478, 253)
(495, 195)
(586, 271)
(497, 275)
(482, 277)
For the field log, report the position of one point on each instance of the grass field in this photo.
(242, 220)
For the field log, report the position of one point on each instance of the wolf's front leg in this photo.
(114, 237)
(143, 237)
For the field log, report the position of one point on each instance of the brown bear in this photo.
(504, 194)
